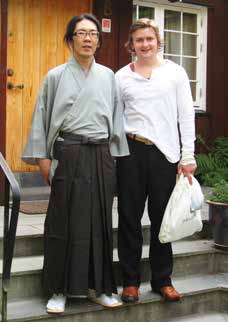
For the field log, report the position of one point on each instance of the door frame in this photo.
(3, 76)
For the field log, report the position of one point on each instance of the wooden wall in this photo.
(113, 53)
(3, 59)
(216, 73)
(3, 62)
(213, 123)
(35, 45)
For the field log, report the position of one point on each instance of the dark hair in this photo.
(73, 22)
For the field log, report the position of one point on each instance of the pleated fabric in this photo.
(78, 226)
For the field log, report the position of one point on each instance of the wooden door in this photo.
(35, 45)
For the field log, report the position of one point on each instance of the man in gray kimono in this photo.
(76, 131)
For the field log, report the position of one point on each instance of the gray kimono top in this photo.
(66, 90)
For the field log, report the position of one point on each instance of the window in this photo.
(184, 30)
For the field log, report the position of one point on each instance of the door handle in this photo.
(10, 72)
(11, 86)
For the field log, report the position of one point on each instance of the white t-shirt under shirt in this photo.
(153, 108)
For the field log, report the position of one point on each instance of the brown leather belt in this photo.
(139, 138)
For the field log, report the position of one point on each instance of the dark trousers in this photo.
(146, 173)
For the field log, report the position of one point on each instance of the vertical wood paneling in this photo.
(113, 53)
(48, 32)
(35, 45)
(32, 41)
(125, 21)
(3, 60)
(105, 55)
(66, 11)
(14, 96)
(215, 69)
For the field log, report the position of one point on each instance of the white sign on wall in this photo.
(106, 25)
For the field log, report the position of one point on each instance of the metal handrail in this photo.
(10, 227)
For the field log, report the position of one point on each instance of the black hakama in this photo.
(78, 226)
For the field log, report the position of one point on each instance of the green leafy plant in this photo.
(219, 193)
(212, 177)
(212, 167)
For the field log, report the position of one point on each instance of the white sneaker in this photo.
(105, 300)
(56, 304)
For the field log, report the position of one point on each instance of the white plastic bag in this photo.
(197, 197)
(182, 215)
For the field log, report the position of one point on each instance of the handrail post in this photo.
(4, 253)
(10, 227)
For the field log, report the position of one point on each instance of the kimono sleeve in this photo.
(36, 146)
(118, 145)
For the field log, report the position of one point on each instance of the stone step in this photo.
(29, 239)
(202, 294)
(190, 257)
(207, 317)
(29, 235)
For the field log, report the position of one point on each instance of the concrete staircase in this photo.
(200, 273)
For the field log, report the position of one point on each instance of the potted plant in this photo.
(217, 200)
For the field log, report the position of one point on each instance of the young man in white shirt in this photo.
(157, 106)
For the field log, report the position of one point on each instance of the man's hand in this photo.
(188, 171)
(45, 166)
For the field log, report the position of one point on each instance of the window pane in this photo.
(189, 45)
(172, 43)
(190, 66)
(146, 12)
(134, 14)
(193, 89)
(173, 58)
(189, 22)
(172, 20)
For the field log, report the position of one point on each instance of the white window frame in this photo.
(159, 7)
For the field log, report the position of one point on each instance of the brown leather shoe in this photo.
(130, 294)
(170, 294)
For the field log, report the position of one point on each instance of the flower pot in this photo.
(218, 216)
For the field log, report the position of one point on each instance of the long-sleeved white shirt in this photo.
(154, 107)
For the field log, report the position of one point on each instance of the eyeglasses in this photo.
(81, 34)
